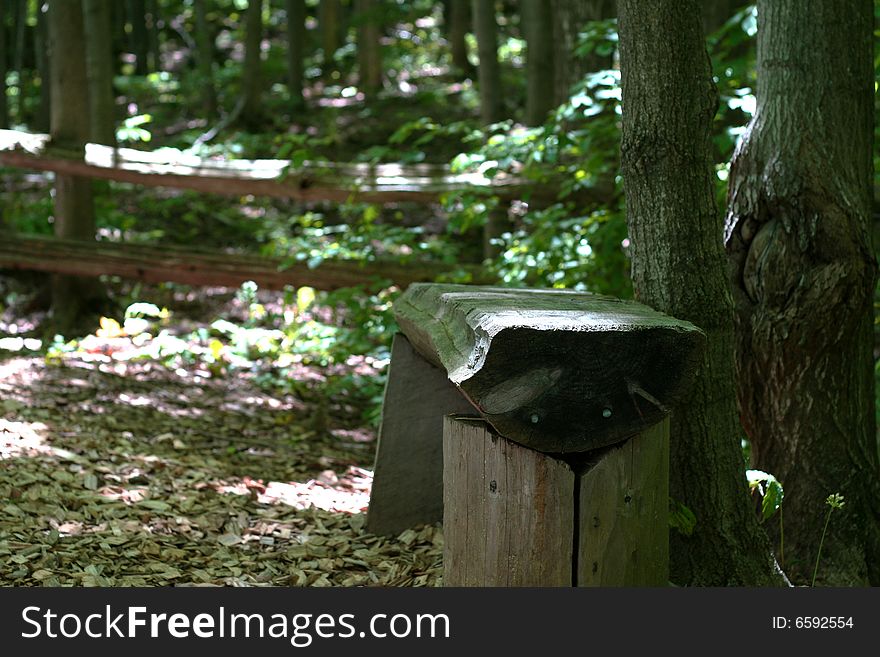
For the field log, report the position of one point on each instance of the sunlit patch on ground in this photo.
(22, 439)
(347, 493)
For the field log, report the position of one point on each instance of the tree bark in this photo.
(489, 71)
(205, 57)
(369, 46)
(459, 22)
(797, 236)
(717, 12)
(329, 20)
(538, 16)
(20, 35)
(251, 82)
(4, 65)
(140, 47)
(41, 38)
(74, 209)
(296, 37)
(152, 16)
(99, 64)
(679, 268)
(570, 18)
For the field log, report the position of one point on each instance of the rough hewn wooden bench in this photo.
(535, 423)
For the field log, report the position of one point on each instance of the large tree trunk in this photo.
(205, 57)
(296, 37)
(99, 63)
(539, 34)
(804, 274)
(459, 24)
(74, 210)
(369, 46)
(251, 82)
(137, 17)
(570, 19)
(669, 102)
(489, 71)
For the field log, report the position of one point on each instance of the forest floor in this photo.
(118, 470)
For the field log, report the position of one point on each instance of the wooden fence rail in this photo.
(154, 264)
(313, 181)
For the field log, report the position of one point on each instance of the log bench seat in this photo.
(534, 423)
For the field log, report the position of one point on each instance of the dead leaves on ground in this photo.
(150, 480)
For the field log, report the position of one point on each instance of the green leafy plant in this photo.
(771, 493)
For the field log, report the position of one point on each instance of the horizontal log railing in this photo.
(312, 181)
(153, 264)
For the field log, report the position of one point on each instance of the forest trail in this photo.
(129, 473)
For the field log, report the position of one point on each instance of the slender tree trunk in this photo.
(120, 38)
(669, 102)
(804, 274)
(459, 22)
(296, 46)
(486, 30)
(329, 20)
(152, 15)
(20, 34)
(99, 63)
(205, 57)
(538, 16)
(570, 19)
(717, 12)
(4, 65)
(74, 210)
(137, 17)
(41, 39)
(369, 46)
(252, 114)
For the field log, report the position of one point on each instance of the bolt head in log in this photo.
(554, 370)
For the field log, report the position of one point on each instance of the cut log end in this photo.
(554, 370)
(589, 390)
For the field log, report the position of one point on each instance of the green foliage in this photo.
(131, 130)
(768, 489)
(732, 49)
(681, 518)
(577, 237)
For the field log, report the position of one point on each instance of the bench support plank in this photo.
(408, 476)
(624, 514)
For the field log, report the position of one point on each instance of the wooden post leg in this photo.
(408, 475)
(624, 514)
(517, 517)
(508, 516)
